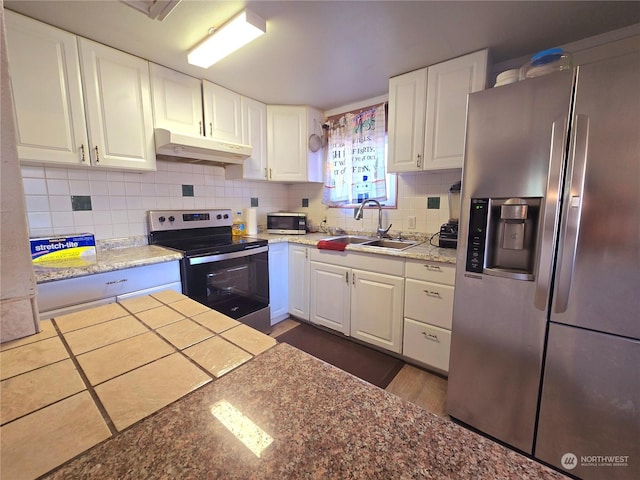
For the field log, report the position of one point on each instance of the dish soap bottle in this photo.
(238, 226)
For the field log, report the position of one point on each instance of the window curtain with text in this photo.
(355, 165)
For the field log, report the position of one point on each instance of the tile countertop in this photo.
(287, 415)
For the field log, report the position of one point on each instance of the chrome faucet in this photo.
(381, 232)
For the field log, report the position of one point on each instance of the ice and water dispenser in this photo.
(502, 236)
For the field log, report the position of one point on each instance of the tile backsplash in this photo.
(119, 200)
(413, 191)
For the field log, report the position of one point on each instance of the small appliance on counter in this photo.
(287, 223)
(449, 230)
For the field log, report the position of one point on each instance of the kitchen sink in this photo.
(394, 244)
(374, 241)
(351, 239)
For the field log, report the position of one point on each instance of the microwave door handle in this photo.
(551, 212)
(572, 211)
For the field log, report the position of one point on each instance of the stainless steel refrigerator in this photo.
(545, 349)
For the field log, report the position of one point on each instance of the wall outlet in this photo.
(412, 222)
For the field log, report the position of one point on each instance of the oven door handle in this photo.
(226, 256)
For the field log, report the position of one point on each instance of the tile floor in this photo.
(88, 375)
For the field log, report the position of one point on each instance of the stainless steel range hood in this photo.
(194, 149)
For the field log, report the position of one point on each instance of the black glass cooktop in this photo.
(200, 242)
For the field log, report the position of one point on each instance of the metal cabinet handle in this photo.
(82, 157)
(433, 268)
(211, 129)
(353, 278)
(113, 282)
(306, 253)
(200, 128)
(265, 173)
(97, 154)
(431, 336)
(270, 174)
(419, 161)
(432, 294)
(346, 276)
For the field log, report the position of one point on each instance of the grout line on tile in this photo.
(92, 392)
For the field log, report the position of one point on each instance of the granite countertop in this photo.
(118, 254)
(109, 259)
(422, 251)
(299, 418)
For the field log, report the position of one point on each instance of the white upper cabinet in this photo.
(427, 113)
(407, 94)
(47, 92)
(77, 102)
(288, 156)
(254, 133)
(177, 101)
(118, 105)
(222, 113)
(448, 85)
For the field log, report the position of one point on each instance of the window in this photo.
(356, 163)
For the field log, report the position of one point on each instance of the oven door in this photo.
(235, 284)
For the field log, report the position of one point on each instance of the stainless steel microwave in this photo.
(287, 223)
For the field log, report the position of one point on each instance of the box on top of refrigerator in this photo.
(70, 250)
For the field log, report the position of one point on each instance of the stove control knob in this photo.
(226, 216)
(219, 216)
(172, 218)
(161, 219)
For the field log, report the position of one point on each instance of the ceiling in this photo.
(332, 53)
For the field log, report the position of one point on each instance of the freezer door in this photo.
(590, 408)
(598, 277)
(516, 144)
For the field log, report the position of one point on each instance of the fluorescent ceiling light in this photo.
(237, 32)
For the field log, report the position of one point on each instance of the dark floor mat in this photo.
(366, 363)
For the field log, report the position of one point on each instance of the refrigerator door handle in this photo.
(572, 210)
(551, 213)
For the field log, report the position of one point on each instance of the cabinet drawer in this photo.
(431, 271)
(427, 344)
(72, 291)
(429, 302)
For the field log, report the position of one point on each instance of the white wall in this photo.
(121, 199)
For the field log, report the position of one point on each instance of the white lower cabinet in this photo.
(331, 298)
(427, 344)
(365, 304)
(278, 281)
(376, 309)
(428, 312)
(299, 281)
(61, 297)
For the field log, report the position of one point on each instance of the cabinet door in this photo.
(118, 105)
(279, 281)
(299, 281)
(287, 143)
(330, 296)
(406, 121)
(222, 113)
(376, 309)
(177, 101)
(448, 85)
(254, 133)
(47, 92)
